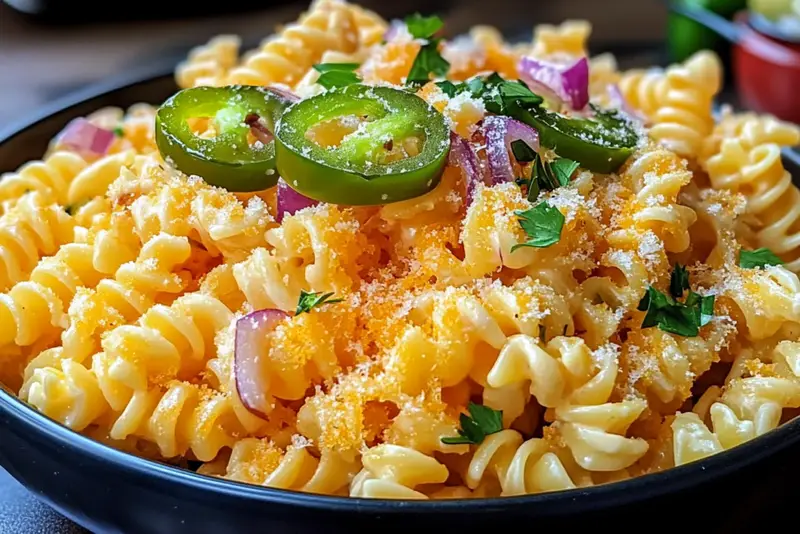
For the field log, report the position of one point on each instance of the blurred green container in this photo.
(685, 37)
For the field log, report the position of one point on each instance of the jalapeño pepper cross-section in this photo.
(388, 145)
(233, 157)
(601, 143)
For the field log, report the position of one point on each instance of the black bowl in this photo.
(109, 491)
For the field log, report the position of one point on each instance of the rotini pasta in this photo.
(531, 317)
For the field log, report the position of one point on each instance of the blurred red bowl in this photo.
(766, 70)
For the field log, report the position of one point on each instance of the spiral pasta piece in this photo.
(51, 178)
(677, 102)
(488, 236)
(259, 462)
(302, 258)
(467, 331)
(121, 299)
(181, 206)
(567, 39)
(31, 309)
(285, 58)
(520, 467)
(759, 175)
(751, 130)
(209, 64)
(31, 229)
(393, 472)
(654, 177)
(138, 376)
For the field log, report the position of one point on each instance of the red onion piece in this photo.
(570, 81)
(84, 137)
(500, 132)
(251, 381)
(462, 156)
(290, 201)
(285, 93)
(619, 101)
(395, 27)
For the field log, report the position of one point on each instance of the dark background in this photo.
(43, 60)
(39, 62)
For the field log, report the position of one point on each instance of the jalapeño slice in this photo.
(233, 158)
(601, 143)
(363, 167)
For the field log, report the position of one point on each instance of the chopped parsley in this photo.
(761, 257)
(670, 315)
(423, 27)
(678, 281)
(547, 176)
(429, 60)
(499, 96)
(563, 169)
(337, 74)
(542, 224)
(481, 422)
(522, 151)
(119, 131)
(308, 301)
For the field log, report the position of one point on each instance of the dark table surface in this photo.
(22, 513)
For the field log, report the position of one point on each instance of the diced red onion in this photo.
(500, 132)
(84, 137)
(290, 201)
(394, 29)
(570, 81)
(619, 101)
(285, 93)
(251, 380)
(462, 156)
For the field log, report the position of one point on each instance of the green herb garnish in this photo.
(678, 281)
(522, 151)
(308, 301)
(481, 422)
(429, 60)
(423, 27)
(542, 224)
(500, 96)
(119, 131)
(761, 257)
(562, 169)
(337, 74)
(547, 176)
(670, 315)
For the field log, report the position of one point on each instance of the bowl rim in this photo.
(594, 498)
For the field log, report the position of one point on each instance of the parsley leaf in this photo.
(334, 67)
(702, 306)
(428, 61)
(337, 74)
(307, 301)
(678, 281)
(761, 257)
(423, 27)
(448, 88)
(500, 96)
(119, 131)
(562, 170)
(522, 151)
(542, 224)
(680, 318)
(548, 176)
(481, 422)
